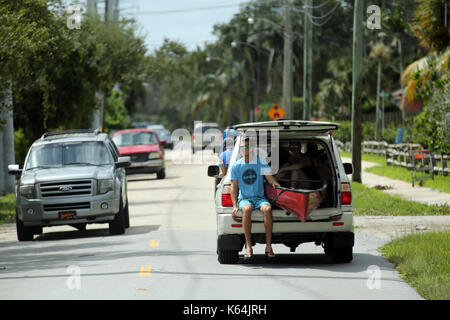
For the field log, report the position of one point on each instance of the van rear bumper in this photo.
(227, 225)
(292, 240)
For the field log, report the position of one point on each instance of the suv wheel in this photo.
(23, 233)
(126, 216)
(161, 174)
(117, 226)
(342, 255)
(228, 256)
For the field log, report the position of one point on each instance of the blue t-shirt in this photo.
(250, 177)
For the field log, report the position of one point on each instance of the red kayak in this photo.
(297, 201)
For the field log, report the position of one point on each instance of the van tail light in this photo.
(226, 196)
(346, 197)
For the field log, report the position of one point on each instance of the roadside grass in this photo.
(371, 202)
(440, 182)
(7, 208)
(423, 260)
(366, 157)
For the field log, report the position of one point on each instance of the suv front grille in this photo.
(64, 189)
(67, 206)
(139, 157)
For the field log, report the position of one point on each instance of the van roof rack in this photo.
(65, 132)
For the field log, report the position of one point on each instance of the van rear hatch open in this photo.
(298, 132)
(290, 126)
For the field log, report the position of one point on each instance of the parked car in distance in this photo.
(163, 134)
(206, 135)
(71, 178)
(144, 148)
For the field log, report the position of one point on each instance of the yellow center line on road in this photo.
(154, 243)
(145, 271)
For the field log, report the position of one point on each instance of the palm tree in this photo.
(336, 90)
(381, 53)
(429, 27)
(420, 71)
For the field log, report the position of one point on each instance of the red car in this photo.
(144, 148)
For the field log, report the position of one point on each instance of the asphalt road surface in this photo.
(169, 252)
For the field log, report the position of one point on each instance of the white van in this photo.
(329, 225)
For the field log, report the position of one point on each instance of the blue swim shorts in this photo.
(254, 202)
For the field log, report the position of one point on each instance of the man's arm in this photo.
(222, 169)
(272, 180)
(234, 193)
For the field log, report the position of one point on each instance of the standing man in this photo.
(247, 177)
(225, 156)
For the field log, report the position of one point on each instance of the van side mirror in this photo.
(348, 168)
(123, 162)
(213, 171)
(13, 169)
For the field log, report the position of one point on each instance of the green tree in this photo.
(429, 25)
(428, 78)
(381, 53)
(116, 115)
(56, 71)
(335, 92)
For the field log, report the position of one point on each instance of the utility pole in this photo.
(287, 60)
(91, 6)
(307, 61)
(230, 102)
(112, 10)
(259, 67)
(111, 13)
(98, 110)
(377, 110)
(356, 89)
(6, 138)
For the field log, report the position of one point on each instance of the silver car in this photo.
(71, 178)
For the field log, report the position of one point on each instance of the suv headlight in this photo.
(103, 186)
(154, 155)
(28, 191)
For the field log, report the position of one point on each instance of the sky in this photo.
(189, 21)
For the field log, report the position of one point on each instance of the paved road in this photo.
(169, 252)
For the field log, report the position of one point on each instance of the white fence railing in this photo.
(398, 155)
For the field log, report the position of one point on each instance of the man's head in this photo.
(228, 143)
(246, 148)
(312, 149)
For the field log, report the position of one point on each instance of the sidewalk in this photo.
(401, 188)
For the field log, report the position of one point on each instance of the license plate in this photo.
(67, 215)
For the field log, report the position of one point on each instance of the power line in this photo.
(327, 15)
(314, 7)
(191, 9)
